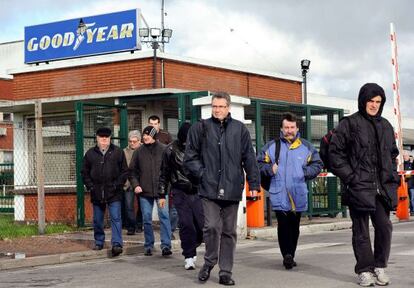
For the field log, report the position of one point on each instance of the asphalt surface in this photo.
(325, 259)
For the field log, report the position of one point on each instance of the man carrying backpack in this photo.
(362, 153)
(289, 168)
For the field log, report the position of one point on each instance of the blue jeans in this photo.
(129, 197)
(147, 205)
(116, 223)
(411, 192)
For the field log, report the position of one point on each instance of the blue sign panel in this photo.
(80, 37)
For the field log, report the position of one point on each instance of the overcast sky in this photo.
(347, 42)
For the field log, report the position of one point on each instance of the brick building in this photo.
(109, 80)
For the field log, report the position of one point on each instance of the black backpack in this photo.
(265, 179)
(324, 146)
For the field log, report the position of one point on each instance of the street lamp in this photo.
(155, 36)
(305, 67)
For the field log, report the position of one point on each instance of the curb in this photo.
(271, 232)
(71, 257)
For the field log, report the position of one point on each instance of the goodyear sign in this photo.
(101, 34)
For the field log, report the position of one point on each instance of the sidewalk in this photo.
(77, 246)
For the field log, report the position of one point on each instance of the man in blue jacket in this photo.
(219, 149)
(298, 162)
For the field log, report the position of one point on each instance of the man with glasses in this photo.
(132, 222)
(104, 173)
(218, 150)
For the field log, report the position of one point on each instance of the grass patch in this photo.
(9, 229)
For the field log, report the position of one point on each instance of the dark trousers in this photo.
(220, 235)
(191, 221)
(129, 209)
(288, 231)
(366, 259)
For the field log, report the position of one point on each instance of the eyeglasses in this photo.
(219, 106)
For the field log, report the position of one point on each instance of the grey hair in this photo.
(134, 133)
(221, 95)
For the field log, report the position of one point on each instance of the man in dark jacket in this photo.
(186, 199)
(363, 155)
(218, 150)
(165, 138)
(144, 174)
(104, 173)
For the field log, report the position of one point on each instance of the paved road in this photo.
(324, 260)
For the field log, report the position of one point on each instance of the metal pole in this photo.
(80, 192)
(305, 96)
(40, 169)
(162, 23)
(154, 69)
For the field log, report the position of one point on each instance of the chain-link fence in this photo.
(325, 193)
(19, 180)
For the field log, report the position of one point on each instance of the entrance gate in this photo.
(89, 117)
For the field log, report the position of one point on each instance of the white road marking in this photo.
(300, 247)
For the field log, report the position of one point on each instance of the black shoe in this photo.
(116, 250)
(131, 232)
(97, 247)
(148, 252)
(294, 263)
(226, 280)
(166, 251)
(288, 261)
(139, 230)
(204, 273)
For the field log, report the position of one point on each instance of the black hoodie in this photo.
(363, 154)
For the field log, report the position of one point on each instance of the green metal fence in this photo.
(316, 121)
(6, 187)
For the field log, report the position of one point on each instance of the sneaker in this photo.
(366, 279)
(148, 252)
(166, 251)
(189, 264)
(116, 250)
(381, 278)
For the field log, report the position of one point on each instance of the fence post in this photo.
(40, 168)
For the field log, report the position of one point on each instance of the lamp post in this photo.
(305, 67)
(155, 36)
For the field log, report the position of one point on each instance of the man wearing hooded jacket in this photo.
(363, 155)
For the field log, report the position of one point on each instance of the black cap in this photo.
(103, 132)
(149, 130)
